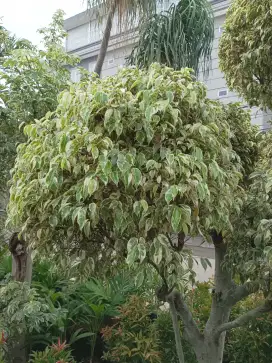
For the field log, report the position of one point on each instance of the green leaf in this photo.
(137, 208)
(53, 221)
(141, 251)
(94, 151)
(136, 176)
(87, 228)
(132, 243)
(81, 218)
(63, 142)
(144, 205)
(157, 257)
(176, 218)
(171, 193)
(204, 263)
(92, 186)
(93, 210)
(122, 163)
(101, 97)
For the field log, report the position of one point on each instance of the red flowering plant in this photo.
(56, 353)
(133, 338)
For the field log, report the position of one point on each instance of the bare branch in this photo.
(192, 332)
(250, 315)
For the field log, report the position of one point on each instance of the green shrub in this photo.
(57, 353)
(133, 339)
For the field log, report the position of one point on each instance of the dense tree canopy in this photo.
(245, 50)
(127, 162)
(133, 157)
(180, 37)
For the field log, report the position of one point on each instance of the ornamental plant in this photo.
(132, 165)
(245, 49)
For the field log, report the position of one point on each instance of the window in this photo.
(223, 93)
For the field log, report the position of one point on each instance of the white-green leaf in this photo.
(176, 217)
(171, 193)
(136, 176)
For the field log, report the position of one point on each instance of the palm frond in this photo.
(128, 11)
(179, 37)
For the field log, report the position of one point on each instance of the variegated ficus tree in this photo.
(130, 166)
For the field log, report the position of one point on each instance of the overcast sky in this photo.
(24, 17)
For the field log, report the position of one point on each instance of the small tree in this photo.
(180, 37)
(245, 51)
(126, 163)
(30, 81)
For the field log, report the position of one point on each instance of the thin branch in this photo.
(250, 315)
(192, 332)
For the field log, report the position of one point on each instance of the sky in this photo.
(24, 17)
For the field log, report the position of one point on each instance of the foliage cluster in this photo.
(180, 37)
(245, 50)
(146, 154)
(31, 79)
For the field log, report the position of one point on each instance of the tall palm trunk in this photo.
(105, 40)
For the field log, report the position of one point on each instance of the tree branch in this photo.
(243, 291)
(192, 332)
(252, 314)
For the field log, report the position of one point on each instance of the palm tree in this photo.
(180, 37)
(128, 11)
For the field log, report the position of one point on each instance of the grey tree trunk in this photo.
(105, 39)
(210, 352)
(21, 271)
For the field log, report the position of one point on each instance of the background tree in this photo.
(128, 13)
(180, 37)
(146, 156)
(245, 49)
(31, 80)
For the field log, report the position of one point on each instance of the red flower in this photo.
(60, 346)
(3, 340)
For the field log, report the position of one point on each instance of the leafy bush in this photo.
(57, 353)
(133, 338)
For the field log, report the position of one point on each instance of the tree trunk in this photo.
(210, 352)
(22, 272)
(21, 259)
(105, 39)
